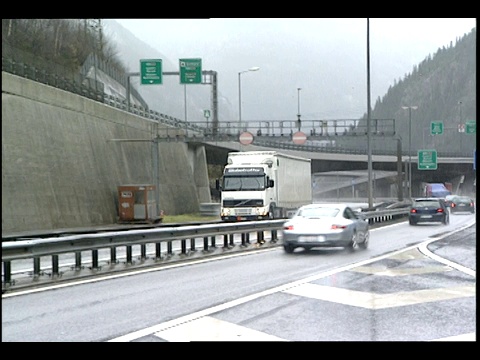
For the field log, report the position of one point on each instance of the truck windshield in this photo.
(237, 183)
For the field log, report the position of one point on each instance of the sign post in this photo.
(151, 72)
(427, 159)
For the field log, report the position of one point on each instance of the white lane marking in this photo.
(210, 329)
(463, 337)
(370, 300)
(383, 271)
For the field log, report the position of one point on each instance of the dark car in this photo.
(448, 199)
(462, 204)
(427, 210)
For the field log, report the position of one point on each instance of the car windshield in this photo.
(426, 203)
(318, 212)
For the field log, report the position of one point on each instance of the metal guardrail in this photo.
(74, 244)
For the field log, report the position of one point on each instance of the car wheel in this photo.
(353, 242)
(288, 248)
(363, 245)
(411, 222)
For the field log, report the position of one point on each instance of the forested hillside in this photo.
(443, 88)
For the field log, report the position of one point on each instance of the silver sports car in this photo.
(325, 225)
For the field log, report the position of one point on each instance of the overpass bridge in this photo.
(334, 162)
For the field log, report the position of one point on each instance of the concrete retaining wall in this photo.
(61, 169)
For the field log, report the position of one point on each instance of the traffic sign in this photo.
(151, 72)
(299, 138)
(437, 128)
(246, 138)
(190, 71)
(471, 127)
(206, 113)
(427, 159)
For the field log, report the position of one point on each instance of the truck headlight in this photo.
(225, 212)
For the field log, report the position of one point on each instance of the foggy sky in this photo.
(326, 58)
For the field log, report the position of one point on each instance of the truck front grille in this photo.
(242, 203)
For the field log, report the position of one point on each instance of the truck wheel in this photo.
(271, 214)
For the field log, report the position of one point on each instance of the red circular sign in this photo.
(246, 138)
(299, 138)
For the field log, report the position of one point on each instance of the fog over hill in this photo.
(337, 68)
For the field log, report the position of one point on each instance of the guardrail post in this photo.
(169, 248)
(214, 241)
(225, 241)
(232, 238)
(274, 236)
(183, 246)
(244, 241)
(36, 266)
(205, 243)
(158, 250)
(113, 255)
(94, 259)
(7, 272)
(192, 244)
(55, 267)
(78, 260)
(143, 251)
(129, 254)
(260, 237)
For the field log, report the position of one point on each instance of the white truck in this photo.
(259, 185)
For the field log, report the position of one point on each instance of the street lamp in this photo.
(410, 147)
(255, 68)
(298, 103)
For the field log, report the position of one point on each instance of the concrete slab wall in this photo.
(61, 164)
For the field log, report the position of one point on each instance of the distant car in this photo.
(427, 210)
(448, 199)
(462, 204)
(325, 226)
(437, 190)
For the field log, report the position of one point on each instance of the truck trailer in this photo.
(263, 185)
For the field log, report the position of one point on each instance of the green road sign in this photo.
(427, 159)
(437, 128)
(151, 72)
(190, 71)
(471, 127)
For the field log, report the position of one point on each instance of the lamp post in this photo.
(255, 68)
(410, 147)
(298, 110)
